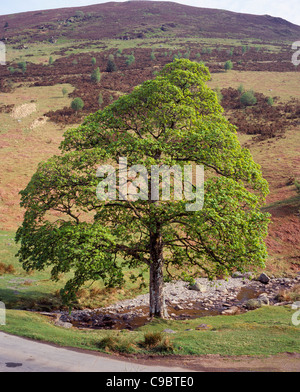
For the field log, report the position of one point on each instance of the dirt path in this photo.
(285, 362)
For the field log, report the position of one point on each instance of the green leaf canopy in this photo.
(174, 119)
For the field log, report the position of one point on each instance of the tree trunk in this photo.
(157, 298)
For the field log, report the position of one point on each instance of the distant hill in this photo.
(141, 19)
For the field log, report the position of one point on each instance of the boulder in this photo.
(231, 311)
(253, 303)
(167, 330)
(263, 298)
(63, 324)
(256, 303)
(203, 327)
(263, 278)
(197, 287)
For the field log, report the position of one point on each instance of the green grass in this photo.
(35, 290)
(262, 332)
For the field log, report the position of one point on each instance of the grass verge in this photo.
(262, 332)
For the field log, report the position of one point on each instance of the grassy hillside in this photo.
(142, 19)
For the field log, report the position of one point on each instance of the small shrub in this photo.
(96, 75)
(130, 59)
(152, 56)
(6, 269)
(228, 65)
(100, 99)
(77, 104)
(292, 294)
(12, 70)
(64, 91)
(241, 89)
(51, 61)
(156, 341)
(111, 65)
(248, 98)
(22, 66)
(244, 49)
(270, 101)
(94, 61)
(115, 344)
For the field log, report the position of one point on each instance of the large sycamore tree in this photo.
(173, 120)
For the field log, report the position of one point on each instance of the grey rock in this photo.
(197, 287)
(263, 298)
(167, 330)
(178, 307)
(263, 278)
(63, 324)
(252, 304)
(202, 327)
(231, 311)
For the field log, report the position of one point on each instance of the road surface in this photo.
(24, 355)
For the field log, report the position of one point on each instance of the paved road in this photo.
(24, 355)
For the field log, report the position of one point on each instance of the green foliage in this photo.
(12, 70)
(248, 98)
(130, 59)
(22, 66)
(241, 89)
(152, 56)
(228, 65)
(157, 341)
(116, 344)
(64, 91)
(187, 54)
(173, 119)
(270, 101)
(100, 99)
(94, 61)
(96, 75)
(219, 94)
(111, 65)
(77, 104)
(51, 61)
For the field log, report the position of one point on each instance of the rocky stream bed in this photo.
(236, 295)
